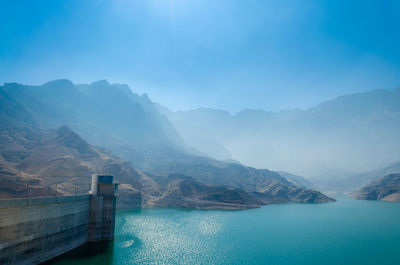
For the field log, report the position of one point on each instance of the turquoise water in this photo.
(345, 232)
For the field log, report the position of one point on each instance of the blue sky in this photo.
(223, 54)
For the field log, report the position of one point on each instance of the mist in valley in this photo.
(336, 139)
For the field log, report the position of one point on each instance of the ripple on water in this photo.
(165, 239)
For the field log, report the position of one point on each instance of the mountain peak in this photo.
(64, 130)
(65, 83)
(100, 83)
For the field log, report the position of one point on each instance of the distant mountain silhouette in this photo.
(349, 134)
(355, 182)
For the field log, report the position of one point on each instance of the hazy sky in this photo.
(213, 53)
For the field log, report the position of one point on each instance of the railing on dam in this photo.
(34, 230)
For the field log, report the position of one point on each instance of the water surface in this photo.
(345, 232)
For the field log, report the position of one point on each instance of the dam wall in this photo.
(35, 230)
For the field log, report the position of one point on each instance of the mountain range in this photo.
(54, 136)
(342, 137)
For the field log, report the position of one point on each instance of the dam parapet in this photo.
(35, 230)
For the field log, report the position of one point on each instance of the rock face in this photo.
(186, 192)
(386, 188)
(56, 162)
(268, 186)
(156, 169)
(60, 162)
(106, 115)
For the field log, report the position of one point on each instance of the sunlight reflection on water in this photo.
(169, 238)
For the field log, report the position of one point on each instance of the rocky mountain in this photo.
(386, 188)
(341, 137)
(107, 115)
(55, 162)
(186, 192)
(60, 162)
(268, 186)
(130, 126)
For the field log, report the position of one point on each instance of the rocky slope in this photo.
(386, 188)
(129, 125)
(56, 162)
(186, 192)
(108, 115)
(268, 186)
(60, 162)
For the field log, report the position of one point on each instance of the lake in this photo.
(346, 232)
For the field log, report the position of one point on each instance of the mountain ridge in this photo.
(131, 127)
(351, 133)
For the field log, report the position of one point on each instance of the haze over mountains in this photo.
(108, 115)
(357, 181)
(157, 167)
(353, 133)
(338, 138)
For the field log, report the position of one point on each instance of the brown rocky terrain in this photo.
(386, 188)
(156, 169)
(59, 162)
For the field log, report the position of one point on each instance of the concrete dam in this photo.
(35, 230)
